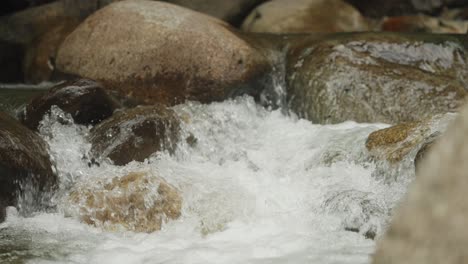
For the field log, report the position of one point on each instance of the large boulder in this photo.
(138, 202)
(376, 77)
(293, 16)
(24, 162)
(159, 52)
(135, 134)
(85, 100)
(232, 12)
(430, 224)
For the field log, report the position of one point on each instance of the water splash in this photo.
(257, 186)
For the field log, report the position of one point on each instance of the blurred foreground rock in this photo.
(430, 224)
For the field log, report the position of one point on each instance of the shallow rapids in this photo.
(258, 186)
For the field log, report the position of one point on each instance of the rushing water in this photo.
(259, 186)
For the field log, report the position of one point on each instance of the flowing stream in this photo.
(259, 186)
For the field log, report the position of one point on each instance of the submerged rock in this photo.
(376, 77)
(138, 202)
(85, 100)
(135, 134)
(293, 16)
(24, 161)
(361, 211)
(395, 143)
(430, 224)
(162, 53)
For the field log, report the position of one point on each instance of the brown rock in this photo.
(135, 134)
(85, 100)
(23, 160)
(159, 52)
(376, 77)
(294, 16)
(396, 142)
(422, 23)
(430, 224)
(138, 202)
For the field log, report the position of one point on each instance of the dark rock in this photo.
(376, 77)
(41, 53)
(11, 57)
(135, 134)
(162, 53)
(85, 100)
(379, 8)
(11, 6)
(23, 160)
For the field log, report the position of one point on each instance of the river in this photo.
(259, 186)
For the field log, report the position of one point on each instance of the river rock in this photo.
(159, 52)
(41, 53)
(135, 134)
(24, 160)
(430, 224)
(294, 16)
(376, 77)
(397, 142)
(85, 100)
(422, 23)
(232, 12)
(138, 202)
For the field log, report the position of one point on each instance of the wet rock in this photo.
(422, 23)
(138, 202)
(430, 224)
(85, 100)
(376, 77)
(162, 53)
(135, 134)
(397, 142)
(24, 160)
(295, 16)
(232, 12)
(361, 212)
